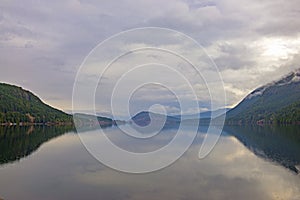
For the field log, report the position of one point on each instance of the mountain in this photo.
(21, 106)
(90, 122)
(144, 118)
(203, 115)
(277, 102)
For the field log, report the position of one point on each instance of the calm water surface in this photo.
(47, 163)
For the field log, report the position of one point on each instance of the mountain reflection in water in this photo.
(280, 144)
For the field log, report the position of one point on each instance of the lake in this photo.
(46, 163)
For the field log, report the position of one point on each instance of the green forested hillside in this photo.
(289, 114)
(18, 105)
(277, 102)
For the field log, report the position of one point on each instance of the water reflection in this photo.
(17, 142)
(63, 169)
(280, 144)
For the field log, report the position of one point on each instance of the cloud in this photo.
(42, 44)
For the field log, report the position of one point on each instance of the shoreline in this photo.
(37, 124)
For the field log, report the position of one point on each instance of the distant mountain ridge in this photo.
(206, 114)
(276, 102)
(144, 118)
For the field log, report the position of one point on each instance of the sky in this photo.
(44, 43)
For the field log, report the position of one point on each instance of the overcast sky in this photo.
(43, 43)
